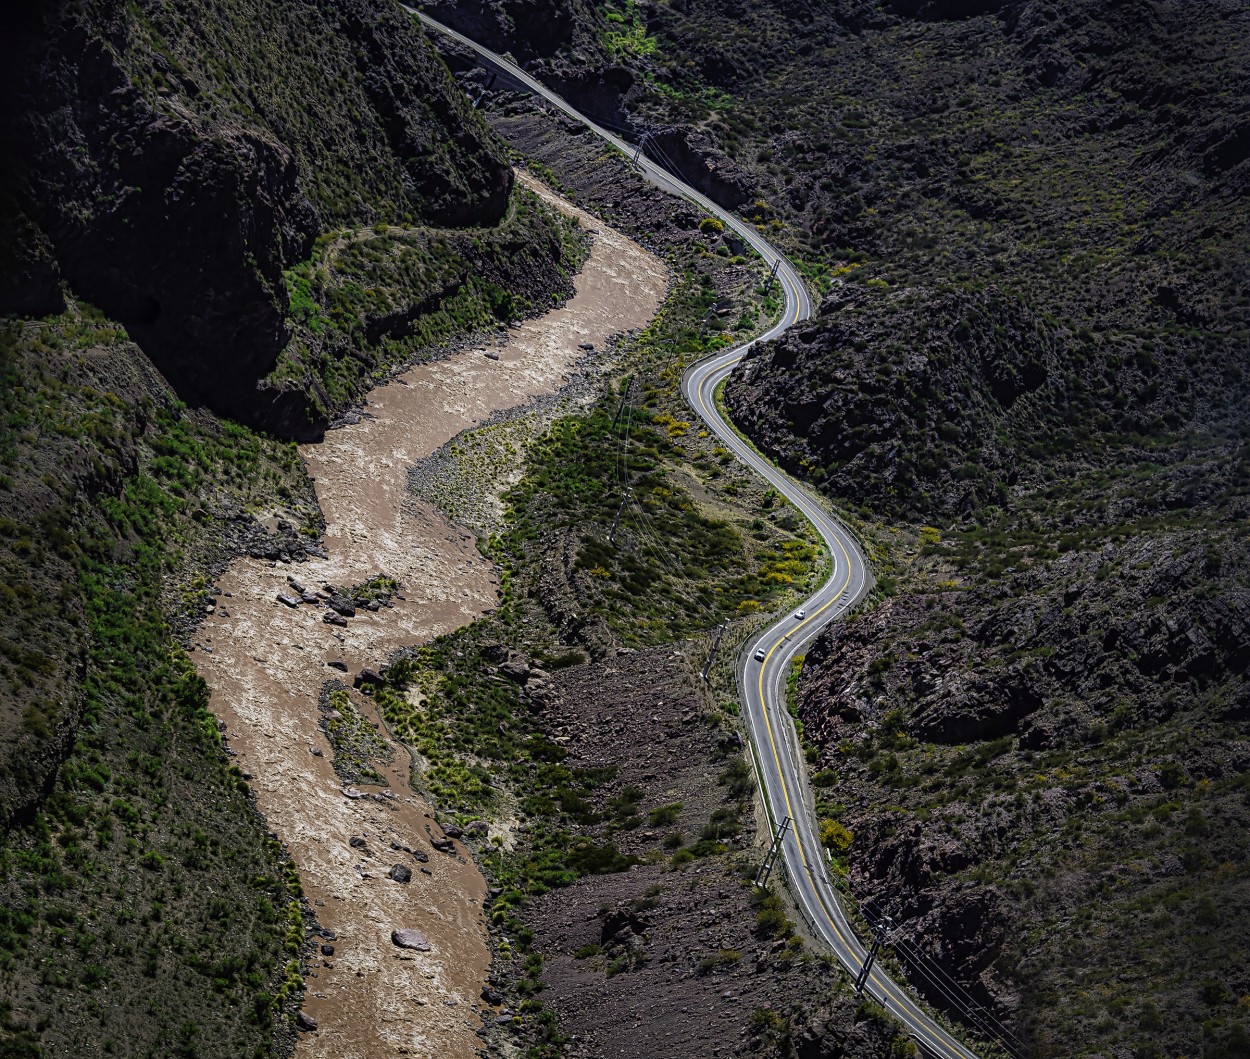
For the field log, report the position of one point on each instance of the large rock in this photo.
(407, 938)
(341, 605)
(370, 677)
(516, 670)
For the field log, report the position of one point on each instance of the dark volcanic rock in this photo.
(977, 707)
(704, 166)
(123, 189)
(515, 670)
(370, 678)
(524, 28)
(890, 432)
(938, 10)
(341, 605)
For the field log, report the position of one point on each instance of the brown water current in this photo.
(269, 663)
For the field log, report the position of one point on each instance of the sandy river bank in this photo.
(269, 663)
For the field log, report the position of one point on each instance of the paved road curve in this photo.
(762, 685)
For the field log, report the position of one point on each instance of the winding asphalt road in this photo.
(779, 760)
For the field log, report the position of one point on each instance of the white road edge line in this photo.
(812, 885)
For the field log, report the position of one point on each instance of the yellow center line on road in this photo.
(884, 986)
(929, 1034)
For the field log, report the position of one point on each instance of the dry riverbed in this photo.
(269, 663)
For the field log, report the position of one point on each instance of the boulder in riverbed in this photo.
(406, 938)
(341, 606)
(368, 676)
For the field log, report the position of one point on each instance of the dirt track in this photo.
(269, 663)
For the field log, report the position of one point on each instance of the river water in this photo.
(269, 663)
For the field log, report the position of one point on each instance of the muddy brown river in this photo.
(269, 663)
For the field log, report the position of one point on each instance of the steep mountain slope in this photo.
(173, 160)
(246, 209)
(1029, 219)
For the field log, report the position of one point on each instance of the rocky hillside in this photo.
(526, 29)
(175, 170)
(132, 865)
(241, 210)
(1029, 223)
(173, 161)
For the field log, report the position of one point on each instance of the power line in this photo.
(953, 991)
(930, 972)
(969, 1002)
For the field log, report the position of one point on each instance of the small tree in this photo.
(835, 836)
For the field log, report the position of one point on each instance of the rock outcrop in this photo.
(171, 184)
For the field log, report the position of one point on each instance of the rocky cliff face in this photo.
(527, 29)
(1040, 740)
(170, 164)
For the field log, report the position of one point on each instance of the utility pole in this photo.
(772, 276)
(712, 653)
(641, 146)
(878, 939)
(774, 851)
(621, 407)
(617, 521)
